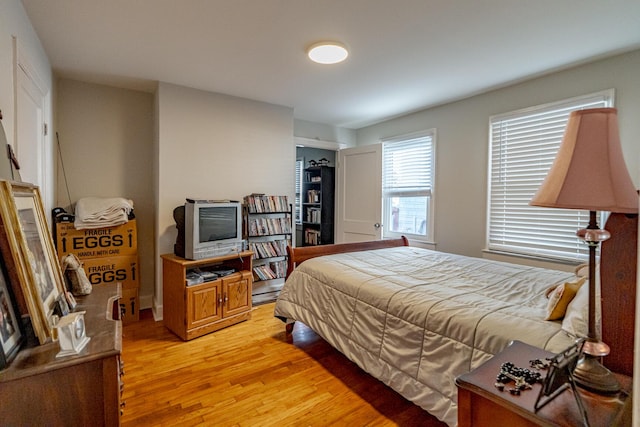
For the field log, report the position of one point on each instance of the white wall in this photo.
(158, 150)
(323, 132)
(106, 142)
(216, 146)
(463, 129)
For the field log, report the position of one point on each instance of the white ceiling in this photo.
(406, 55)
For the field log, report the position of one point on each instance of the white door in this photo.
(29, 141)
(359, 194)
(31, 149)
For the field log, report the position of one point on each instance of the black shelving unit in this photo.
(318, 195)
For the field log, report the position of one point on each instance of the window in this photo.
(299, 170)
(523, 145)
(407, 185)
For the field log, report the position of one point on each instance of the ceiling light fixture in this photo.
(327, 52)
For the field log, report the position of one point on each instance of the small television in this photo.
(212, 228)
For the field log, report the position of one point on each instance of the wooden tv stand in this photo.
(191, 311)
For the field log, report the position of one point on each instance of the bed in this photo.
(416, 319)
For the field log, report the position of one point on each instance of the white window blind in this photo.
(407, 185)
(407, 167)
(523, 145)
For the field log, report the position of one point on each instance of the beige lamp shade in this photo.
(589, 171)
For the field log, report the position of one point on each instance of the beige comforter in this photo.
(416, 319)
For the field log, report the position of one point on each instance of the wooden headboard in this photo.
(618, 282)
(297, 255)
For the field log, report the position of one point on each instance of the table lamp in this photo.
(589, 173)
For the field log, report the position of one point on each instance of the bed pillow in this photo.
(581, 270)
(549, 290)
(560, 298)
(576, 319)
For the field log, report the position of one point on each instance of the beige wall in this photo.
(159, 149)
(106, 144)
(463, 129)
(215, 146)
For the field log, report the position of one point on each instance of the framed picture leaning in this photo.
(10, 329)
(33, 253)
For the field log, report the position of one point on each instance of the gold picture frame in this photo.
(33, 253)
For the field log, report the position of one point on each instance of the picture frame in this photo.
(33, 254)
(11, 336)
(560, 377)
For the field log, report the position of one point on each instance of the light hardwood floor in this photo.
(251, 374)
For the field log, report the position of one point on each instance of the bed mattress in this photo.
(416, 319)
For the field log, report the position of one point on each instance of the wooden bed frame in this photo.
(618, 281)
(297, 256)
(618, 266)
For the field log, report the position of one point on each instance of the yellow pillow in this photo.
(560, 298)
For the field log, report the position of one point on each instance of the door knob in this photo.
(377, 225)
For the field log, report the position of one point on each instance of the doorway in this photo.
(305, 157)
(32, 144)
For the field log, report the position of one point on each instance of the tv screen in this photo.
(211, 228)
(217, 223)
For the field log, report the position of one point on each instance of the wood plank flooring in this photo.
(251, 374)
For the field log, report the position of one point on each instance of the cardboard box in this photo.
(97, 242)
(129, 306)
(122, 269)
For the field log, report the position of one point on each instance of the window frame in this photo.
(562, 223)
(430, 213)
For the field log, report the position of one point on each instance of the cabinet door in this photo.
(204, 304)
(237, 293)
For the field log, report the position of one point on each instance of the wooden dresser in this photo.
(481, 404)
(81, 390)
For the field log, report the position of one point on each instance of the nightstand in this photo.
(480, 403)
